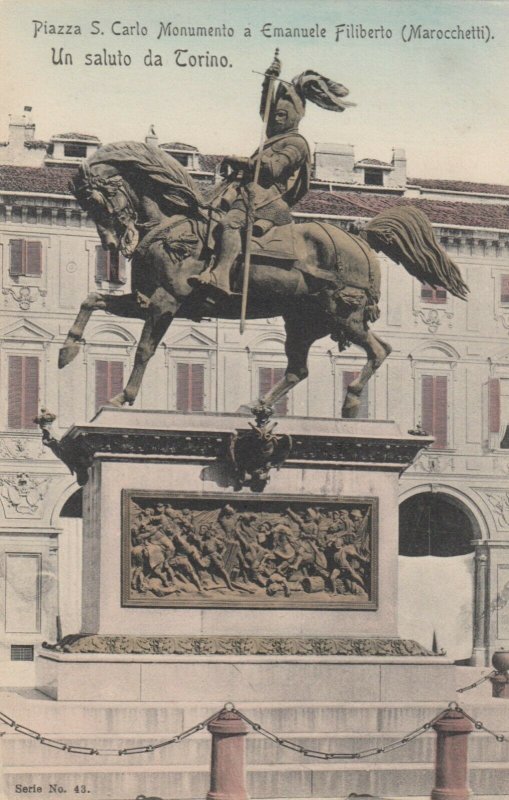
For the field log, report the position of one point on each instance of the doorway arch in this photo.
(436, 572)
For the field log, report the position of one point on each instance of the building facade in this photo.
(448, 372)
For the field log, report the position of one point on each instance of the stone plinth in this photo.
(223, 594)
(135, 453)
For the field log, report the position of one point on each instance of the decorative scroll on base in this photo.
(238, 645)
(272, 552)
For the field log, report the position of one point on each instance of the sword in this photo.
(249, 229)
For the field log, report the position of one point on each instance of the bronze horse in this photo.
(146, 205)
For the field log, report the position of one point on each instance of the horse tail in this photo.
(405, 235)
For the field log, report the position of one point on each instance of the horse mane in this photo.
(169, 181)
(405, 235)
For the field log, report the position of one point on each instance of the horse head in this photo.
(129, 186)
(112, 204)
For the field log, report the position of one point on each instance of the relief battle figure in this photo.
(232, 553)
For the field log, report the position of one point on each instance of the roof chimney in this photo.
(152, 137)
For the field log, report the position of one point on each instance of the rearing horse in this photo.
(146, 206)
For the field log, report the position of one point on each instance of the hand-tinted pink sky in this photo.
(444, 101)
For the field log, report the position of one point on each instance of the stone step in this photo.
(48, 717)
(19, 750)
(265, 781)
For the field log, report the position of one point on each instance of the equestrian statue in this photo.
(237, 253)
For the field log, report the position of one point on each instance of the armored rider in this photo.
(285, 165)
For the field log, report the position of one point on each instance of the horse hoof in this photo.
(67, 354)
(350, 408)
(118, 401)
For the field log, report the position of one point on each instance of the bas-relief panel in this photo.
(215, 551)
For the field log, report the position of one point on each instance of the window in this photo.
(374, 177)
(190, 386)
(25, 257)
(434, 408)
(267, 378)
(109, 381)
(109, 266)
(75, 150)
(23, 392)
(22, 652)
(348, 377)
(182, 158)
(430, 294)
(504, 289)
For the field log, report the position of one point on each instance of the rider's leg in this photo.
(229, 248)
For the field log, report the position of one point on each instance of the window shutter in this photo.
(494, 405)
(440, 411)
(15, 410)
(23, 391)
(348, 377)
(101, 384)
(190, 387)
(267, 378)
(182, 386)
(101, 264)
(109, 381)
(33, 258)
(116, 378)
(504, 289)
(197, 387)
(16, 259)
(433, 295)
(427, 403)
(434, 407)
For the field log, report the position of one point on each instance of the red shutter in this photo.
(16, 259)
(15, 410)
(101, 264)
(267, 378)
(197, 387)
(33, 258)
(190, 387)
(116, 378)
(101, 384)
(440, 411)
(23, 391)
(434, 407)
(504, 289)
(348, 377)
(109, 381)
(433, 295)
(494, 405)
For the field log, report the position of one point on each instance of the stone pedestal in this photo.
(145, 598)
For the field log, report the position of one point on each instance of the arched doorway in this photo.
(70, 564)
(436, 573)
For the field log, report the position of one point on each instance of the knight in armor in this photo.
(285, 167)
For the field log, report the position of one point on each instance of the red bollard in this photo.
(228, 758)
(500, 685)
(451, 767)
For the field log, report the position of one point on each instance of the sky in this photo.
(444, 101)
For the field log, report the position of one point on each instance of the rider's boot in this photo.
(218, 276)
